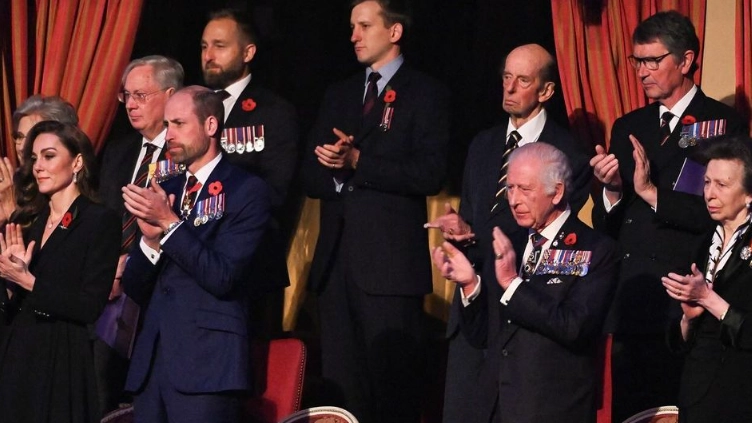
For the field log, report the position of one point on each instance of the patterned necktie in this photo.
(189, 198)
(372, 92)
(501, 186)
(532, 260)
(129, 221)
(666, 126)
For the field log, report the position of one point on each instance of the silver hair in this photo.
(554, 165)
(168, 72)
(46, 107)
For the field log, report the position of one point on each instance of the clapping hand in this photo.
(451, 225)
(15, 257)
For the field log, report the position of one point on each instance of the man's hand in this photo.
(504, 265)
(152, 207)
(454, 266)
(642, 184)
(451, 225)
(340, 155)
(606, 170)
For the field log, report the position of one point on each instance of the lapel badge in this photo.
(553, 281)
(388, 113)
(693, 132)
(745, 254)
(211, 208)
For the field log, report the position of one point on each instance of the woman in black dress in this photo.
(55, 281)
(716, 296)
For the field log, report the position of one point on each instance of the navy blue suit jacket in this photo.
(198, 307)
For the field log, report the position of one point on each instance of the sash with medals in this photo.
(693, 133)
(246, 139)
(564, 262)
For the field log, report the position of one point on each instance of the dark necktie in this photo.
(189, 198)
(372, 92)
(532, 260)
(666, 126)
(501, 186)
(222, 94)
(129, 221)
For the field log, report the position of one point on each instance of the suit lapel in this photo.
(372, 120)
(59, 233)
(237, 113)
(735, 263)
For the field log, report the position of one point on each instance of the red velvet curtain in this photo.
(743, 99)
(76, 49)
(593, 40)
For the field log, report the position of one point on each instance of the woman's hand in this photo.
(691, 288)
(7, 195)
(15, 257)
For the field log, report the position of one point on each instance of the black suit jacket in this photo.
(654, 243)
(479, 186)
(276, 165)
(379, 214)
(541, 363)
(117, 164)
(719, 354)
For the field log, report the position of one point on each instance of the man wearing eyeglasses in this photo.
(261, 136)
(658, 229)
(147, 83)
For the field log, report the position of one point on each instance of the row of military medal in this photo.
(243, 140)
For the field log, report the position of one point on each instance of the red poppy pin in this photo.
(66, 220)
(248, 105)
(688, 120)
(390, 96)
(215, 188)
(571, 239)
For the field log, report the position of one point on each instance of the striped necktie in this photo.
(129, 220)
(501, 187)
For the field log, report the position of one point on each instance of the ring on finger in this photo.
(499, 256)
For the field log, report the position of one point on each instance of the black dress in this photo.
(46, 364)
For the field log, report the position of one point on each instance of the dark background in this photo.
(304, 46)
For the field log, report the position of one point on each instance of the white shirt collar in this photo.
(158, 141)
(237, 87)
(552, 230)
(203, 174)
(529, 131)
(679, 107)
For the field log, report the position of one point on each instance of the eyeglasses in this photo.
(651, 63)
(140, 98)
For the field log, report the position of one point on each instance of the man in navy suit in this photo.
(191, 358)
(377, 150)
(542, 339)
(147, 84)
(528, 84)
(228, 46)
(658, 229)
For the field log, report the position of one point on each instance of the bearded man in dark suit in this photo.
(377, 150)
(260, 136)
(542, 340)
(528, 84)
(658, 228)
(147, 84)
(192, 357)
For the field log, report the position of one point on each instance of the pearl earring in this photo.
(75, 177)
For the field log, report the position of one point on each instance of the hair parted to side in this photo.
(732, 147)
(47, 107)
(554, 164)
(242, 18)
(168, 72)
(672, 29)
(74, 140)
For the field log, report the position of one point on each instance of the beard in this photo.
(217, 78)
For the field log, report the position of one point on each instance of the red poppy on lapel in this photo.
(688, 120)
(571, 239)
(390, 96)
(215, 188)
(248, 105)
(66, 220)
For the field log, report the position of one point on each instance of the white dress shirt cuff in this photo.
(151, 254)
(510, 290)
(606, 204)
(466, 300)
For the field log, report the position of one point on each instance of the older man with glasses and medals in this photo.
(656, 223)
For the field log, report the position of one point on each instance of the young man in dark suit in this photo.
(528, 84)
(657, 228)
(200, 232)
(147, 84)
(261, 137)
(542, 340)
(377, 150)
